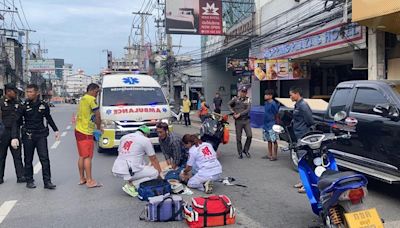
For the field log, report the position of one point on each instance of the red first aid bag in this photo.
(210, 211)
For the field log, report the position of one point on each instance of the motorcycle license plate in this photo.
(365, 218)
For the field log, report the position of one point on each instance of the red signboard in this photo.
(210, 22)
(201, 17)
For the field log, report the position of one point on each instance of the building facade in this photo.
(75, 84)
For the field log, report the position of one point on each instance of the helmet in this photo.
(145, 129)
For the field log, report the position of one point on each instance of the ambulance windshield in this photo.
(133, 96)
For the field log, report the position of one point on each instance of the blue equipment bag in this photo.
(153, 188)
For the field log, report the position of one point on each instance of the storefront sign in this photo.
(210, 22)
(330, 37)
(237, 64)
(242, 29)
(281, 69)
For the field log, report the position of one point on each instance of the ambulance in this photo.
(128, 101)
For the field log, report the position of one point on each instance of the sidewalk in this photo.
(257, 132)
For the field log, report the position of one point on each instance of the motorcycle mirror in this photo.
(340, 116)
(225, 118)
(278, 129)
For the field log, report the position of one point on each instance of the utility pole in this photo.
(170, 64)
(142, 31)
(27, 52)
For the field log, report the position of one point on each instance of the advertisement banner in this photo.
(201, 17)
(234, 64)
(281, 69)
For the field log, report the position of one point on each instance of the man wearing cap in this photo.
(240, 106)
(10, 137)
(130, 163)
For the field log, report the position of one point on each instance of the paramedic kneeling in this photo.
(130, 163)
(203, 156)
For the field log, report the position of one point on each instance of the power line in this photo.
(23, 12)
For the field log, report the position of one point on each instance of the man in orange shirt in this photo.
(88, 117)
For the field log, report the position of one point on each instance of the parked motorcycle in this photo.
(215, 130)
(337, 197)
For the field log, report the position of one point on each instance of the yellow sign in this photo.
(364, 219)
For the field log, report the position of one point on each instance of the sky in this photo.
(79, 30)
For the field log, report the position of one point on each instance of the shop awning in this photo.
(379, 14)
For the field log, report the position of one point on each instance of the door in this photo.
(376, 137)
(339, 102)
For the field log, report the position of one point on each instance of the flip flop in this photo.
(301, 190)
(82, 182)
(299, 185)
(97, 185)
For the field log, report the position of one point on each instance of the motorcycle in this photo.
(176, 117)
(215, 130)
(337, 197)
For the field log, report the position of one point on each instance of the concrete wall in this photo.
(214, 77)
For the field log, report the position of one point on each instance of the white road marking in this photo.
(55, 145)
(5, 208)
(64, 134)
(37, 168)
(68, 127)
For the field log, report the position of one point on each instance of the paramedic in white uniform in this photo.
(203, 156)
(130, 163)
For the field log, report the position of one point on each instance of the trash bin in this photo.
(257, 116)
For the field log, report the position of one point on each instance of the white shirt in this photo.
(205, 159)
(131, 151)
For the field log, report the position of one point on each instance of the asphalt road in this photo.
(269, 201)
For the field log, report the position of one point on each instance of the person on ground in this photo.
(87, 119)
(34, 135)
(240, 106)
(271, 109)
(10, 137)
(204, 158)
(186, 110)
(203, 113)
(172, 147)
(217, 103)
(302, 120)
(130, 163)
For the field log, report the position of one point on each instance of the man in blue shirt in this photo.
(271, 108)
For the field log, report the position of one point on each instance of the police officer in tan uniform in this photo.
(240, 106)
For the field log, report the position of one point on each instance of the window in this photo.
(339, 101)
(366, 99)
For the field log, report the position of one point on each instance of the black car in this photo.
(374, 148)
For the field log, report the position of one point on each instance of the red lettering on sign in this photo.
(146, 110)
(135, 110)
(158, 110)
(127, 145)
(206, 151)
(152, 110)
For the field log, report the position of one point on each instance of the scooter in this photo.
(215, 130)
(337, 197)
(176, 116)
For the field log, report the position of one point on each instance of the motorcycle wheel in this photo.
(294, 160)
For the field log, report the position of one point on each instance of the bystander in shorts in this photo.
(269, 136)
(85, 144)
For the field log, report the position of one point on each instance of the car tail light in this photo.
(354, 195)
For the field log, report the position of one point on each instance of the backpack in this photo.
(210, 211)
(163, 208)
(153, 188)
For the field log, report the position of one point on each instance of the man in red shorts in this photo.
(87, 119)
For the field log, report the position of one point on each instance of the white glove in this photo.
(15, 143)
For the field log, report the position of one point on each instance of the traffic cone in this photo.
(73, 118)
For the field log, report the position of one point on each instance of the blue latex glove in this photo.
(97, 135)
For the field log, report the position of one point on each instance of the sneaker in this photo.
(208, 187)
(247, 154)
(130, 190)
